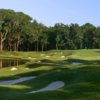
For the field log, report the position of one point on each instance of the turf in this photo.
(82, 82)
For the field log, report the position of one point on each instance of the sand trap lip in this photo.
(9, 82)
(50, 87)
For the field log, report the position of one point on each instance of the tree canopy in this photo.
(19, 32)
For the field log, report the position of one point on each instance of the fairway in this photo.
(78, 70)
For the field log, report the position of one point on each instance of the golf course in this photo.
(51, 75)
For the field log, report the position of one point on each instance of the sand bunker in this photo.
(51, 86)
(76, 63)
(16, 80)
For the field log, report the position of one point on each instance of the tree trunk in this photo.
(1, 46)
(15, 47)
(2, 38)
(56, 46)
(37, 46)
(42, 47)
(0, 63)
(1, 42)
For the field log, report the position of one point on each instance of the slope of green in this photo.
(82, 82)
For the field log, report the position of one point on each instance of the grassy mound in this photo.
(82, 82)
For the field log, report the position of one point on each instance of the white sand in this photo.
(14, 69)
(62, 56)
(51, 86)
(16, 80)
(76, 63)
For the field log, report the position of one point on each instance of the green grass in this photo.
(82, 82)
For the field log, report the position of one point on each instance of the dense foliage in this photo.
(19, 32)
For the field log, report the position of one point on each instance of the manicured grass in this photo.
(82, 82)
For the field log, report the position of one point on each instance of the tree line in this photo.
(19, 32)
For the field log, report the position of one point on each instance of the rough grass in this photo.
(82, 81)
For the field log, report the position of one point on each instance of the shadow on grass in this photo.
(82, 83)
(98, 51)
(44, 62)
(54, 64)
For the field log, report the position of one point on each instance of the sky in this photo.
(50, 12)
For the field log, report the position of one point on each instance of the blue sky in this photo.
(50, 12)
